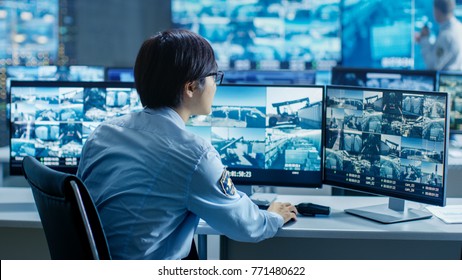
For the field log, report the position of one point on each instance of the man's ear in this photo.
(189, 89)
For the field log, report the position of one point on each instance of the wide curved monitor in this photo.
(387, 142)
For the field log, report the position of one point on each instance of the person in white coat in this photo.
(446, 52)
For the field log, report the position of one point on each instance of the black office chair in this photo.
(69, 217)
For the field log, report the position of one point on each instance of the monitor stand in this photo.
(394, 212)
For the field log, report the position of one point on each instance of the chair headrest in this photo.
(39, 175)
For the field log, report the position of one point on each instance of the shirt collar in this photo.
(167, 111)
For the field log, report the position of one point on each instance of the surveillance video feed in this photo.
(384, 78)
(52, 122)
(388, 142)
(266, 35)
(50, 73)
(266, 133)
(452, 84)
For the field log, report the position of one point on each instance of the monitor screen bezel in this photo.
(384, 192)
(14, 166)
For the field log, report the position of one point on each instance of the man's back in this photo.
(140, 187)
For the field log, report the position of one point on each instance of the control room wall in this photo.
(110, 32)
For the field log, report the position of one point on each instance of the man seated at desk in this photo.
(152, 180)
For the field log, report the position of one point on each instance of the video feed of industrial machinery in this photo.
(423, 80)
(389, 142)
(265, 35)
(266, 134)
(51, 120)
(452, 84)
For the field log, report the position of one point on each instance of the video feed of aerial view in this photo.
(385, 139)
(262, 34)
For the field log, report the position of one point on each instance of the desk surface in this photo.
(17, 209)
(340, 225)
(4, 154)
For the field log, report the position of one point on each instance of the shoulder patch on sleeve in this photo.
(227, 184)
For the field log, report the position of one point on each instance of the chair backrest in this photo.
(69, 217)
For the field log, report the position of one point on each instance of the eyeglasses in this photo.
(217, 77)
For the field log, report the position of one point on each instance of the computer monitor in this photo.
(120, 74)
(47, 73)
(51, 120)
(451, 82)
(265, 35)
(387, 142)
(424, 80)
(266, 135)
(275, 77)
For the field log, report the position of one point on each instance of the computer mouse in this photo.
(311, 209)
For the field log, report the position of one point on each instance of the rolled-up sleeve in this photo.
(231, 213)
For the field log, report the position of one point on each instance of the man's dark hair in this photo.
(169, 60)
(445, 6)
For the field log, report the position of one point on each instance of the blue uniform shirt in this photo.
(152, 180)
